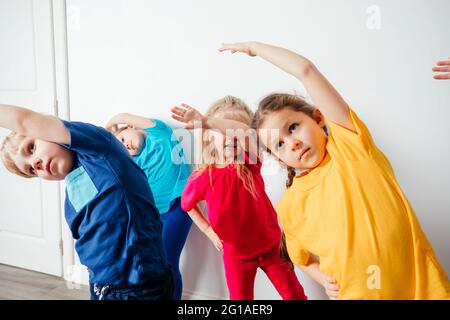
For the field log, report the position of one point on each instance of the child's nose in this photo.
(295, 145)
(37, 165)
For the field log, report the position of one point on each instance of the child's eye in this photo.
(279, 144)
(292, 127)
(31, 148)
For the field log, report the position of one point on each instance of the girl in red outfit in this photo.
(242, 220)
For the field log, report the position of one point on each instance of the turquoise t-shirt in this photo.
(162, 159)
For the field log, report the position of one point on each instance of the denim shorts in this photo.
(161, 289)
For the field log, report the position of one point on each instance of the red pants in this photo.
(240, 275)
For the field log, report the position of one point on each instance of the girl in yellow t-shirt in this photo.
(347, 222)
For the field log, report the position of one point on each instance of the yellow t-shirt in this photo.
(351, 212)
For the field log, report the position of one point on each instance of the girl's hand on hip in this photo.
(214, 238)
(244, 47)
(442, 66)
(331, 287)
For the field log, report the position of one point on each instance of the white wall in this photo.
(145, 56)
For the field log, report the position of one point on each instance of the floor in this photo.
(20, 284)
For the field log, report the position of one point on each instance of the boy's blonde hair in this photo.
(11, 146)
(231, 108)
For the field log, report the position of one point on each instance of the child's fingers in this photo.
(177, 113)
(332, 296)
(330, 279)
(332, 287)
(186, 106)
(441, 69)
(225, 46)
(444, 63)
(442, 76)
(178, 110)
(218, 244)
(178, 118)
(233, 47)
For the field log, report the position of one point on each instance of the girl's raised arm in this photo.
(193, 118)
(323, 94)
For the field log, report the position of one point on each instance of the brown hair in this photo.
(283, 251)
(11, 146)
(231, 108)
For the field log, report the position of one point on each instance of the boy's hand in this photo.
(245, 47)
(331, 287)
(214, 238)
(188, 115)
(111, 127)
(443, 66)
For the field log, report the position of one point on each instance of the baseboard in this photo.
(195, 295)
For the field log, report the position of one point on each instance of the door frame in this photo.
(73, 271)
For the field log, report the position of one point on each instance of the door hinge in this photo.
(56, 106)
(61, 247)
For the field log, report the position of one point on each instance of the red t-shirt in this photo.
(248, 226)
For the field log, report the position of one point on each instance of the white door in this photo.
(30, 229)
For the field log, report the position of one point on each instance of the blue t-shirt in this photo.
(162, 159)
(109, 210)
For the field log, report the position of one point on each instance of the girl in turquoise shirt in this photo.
(158, 152)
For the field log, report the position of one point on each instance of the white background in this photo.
(145, 56)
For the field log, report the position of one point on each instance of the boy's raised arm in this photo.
(130, 120)
(323, 94)
(33, 124)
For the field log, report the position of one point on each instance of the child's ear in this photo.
(319, 118)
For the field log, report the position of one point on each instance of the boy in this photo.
(108, 207)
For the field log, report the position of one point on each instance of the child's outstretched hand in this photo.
(331, 287)
(188, 115)
(443, 66)
(245, 47)
(111, 127)
(214, 238)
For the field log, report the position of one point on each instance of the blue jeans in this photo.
(176, 226)
(162, 289)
